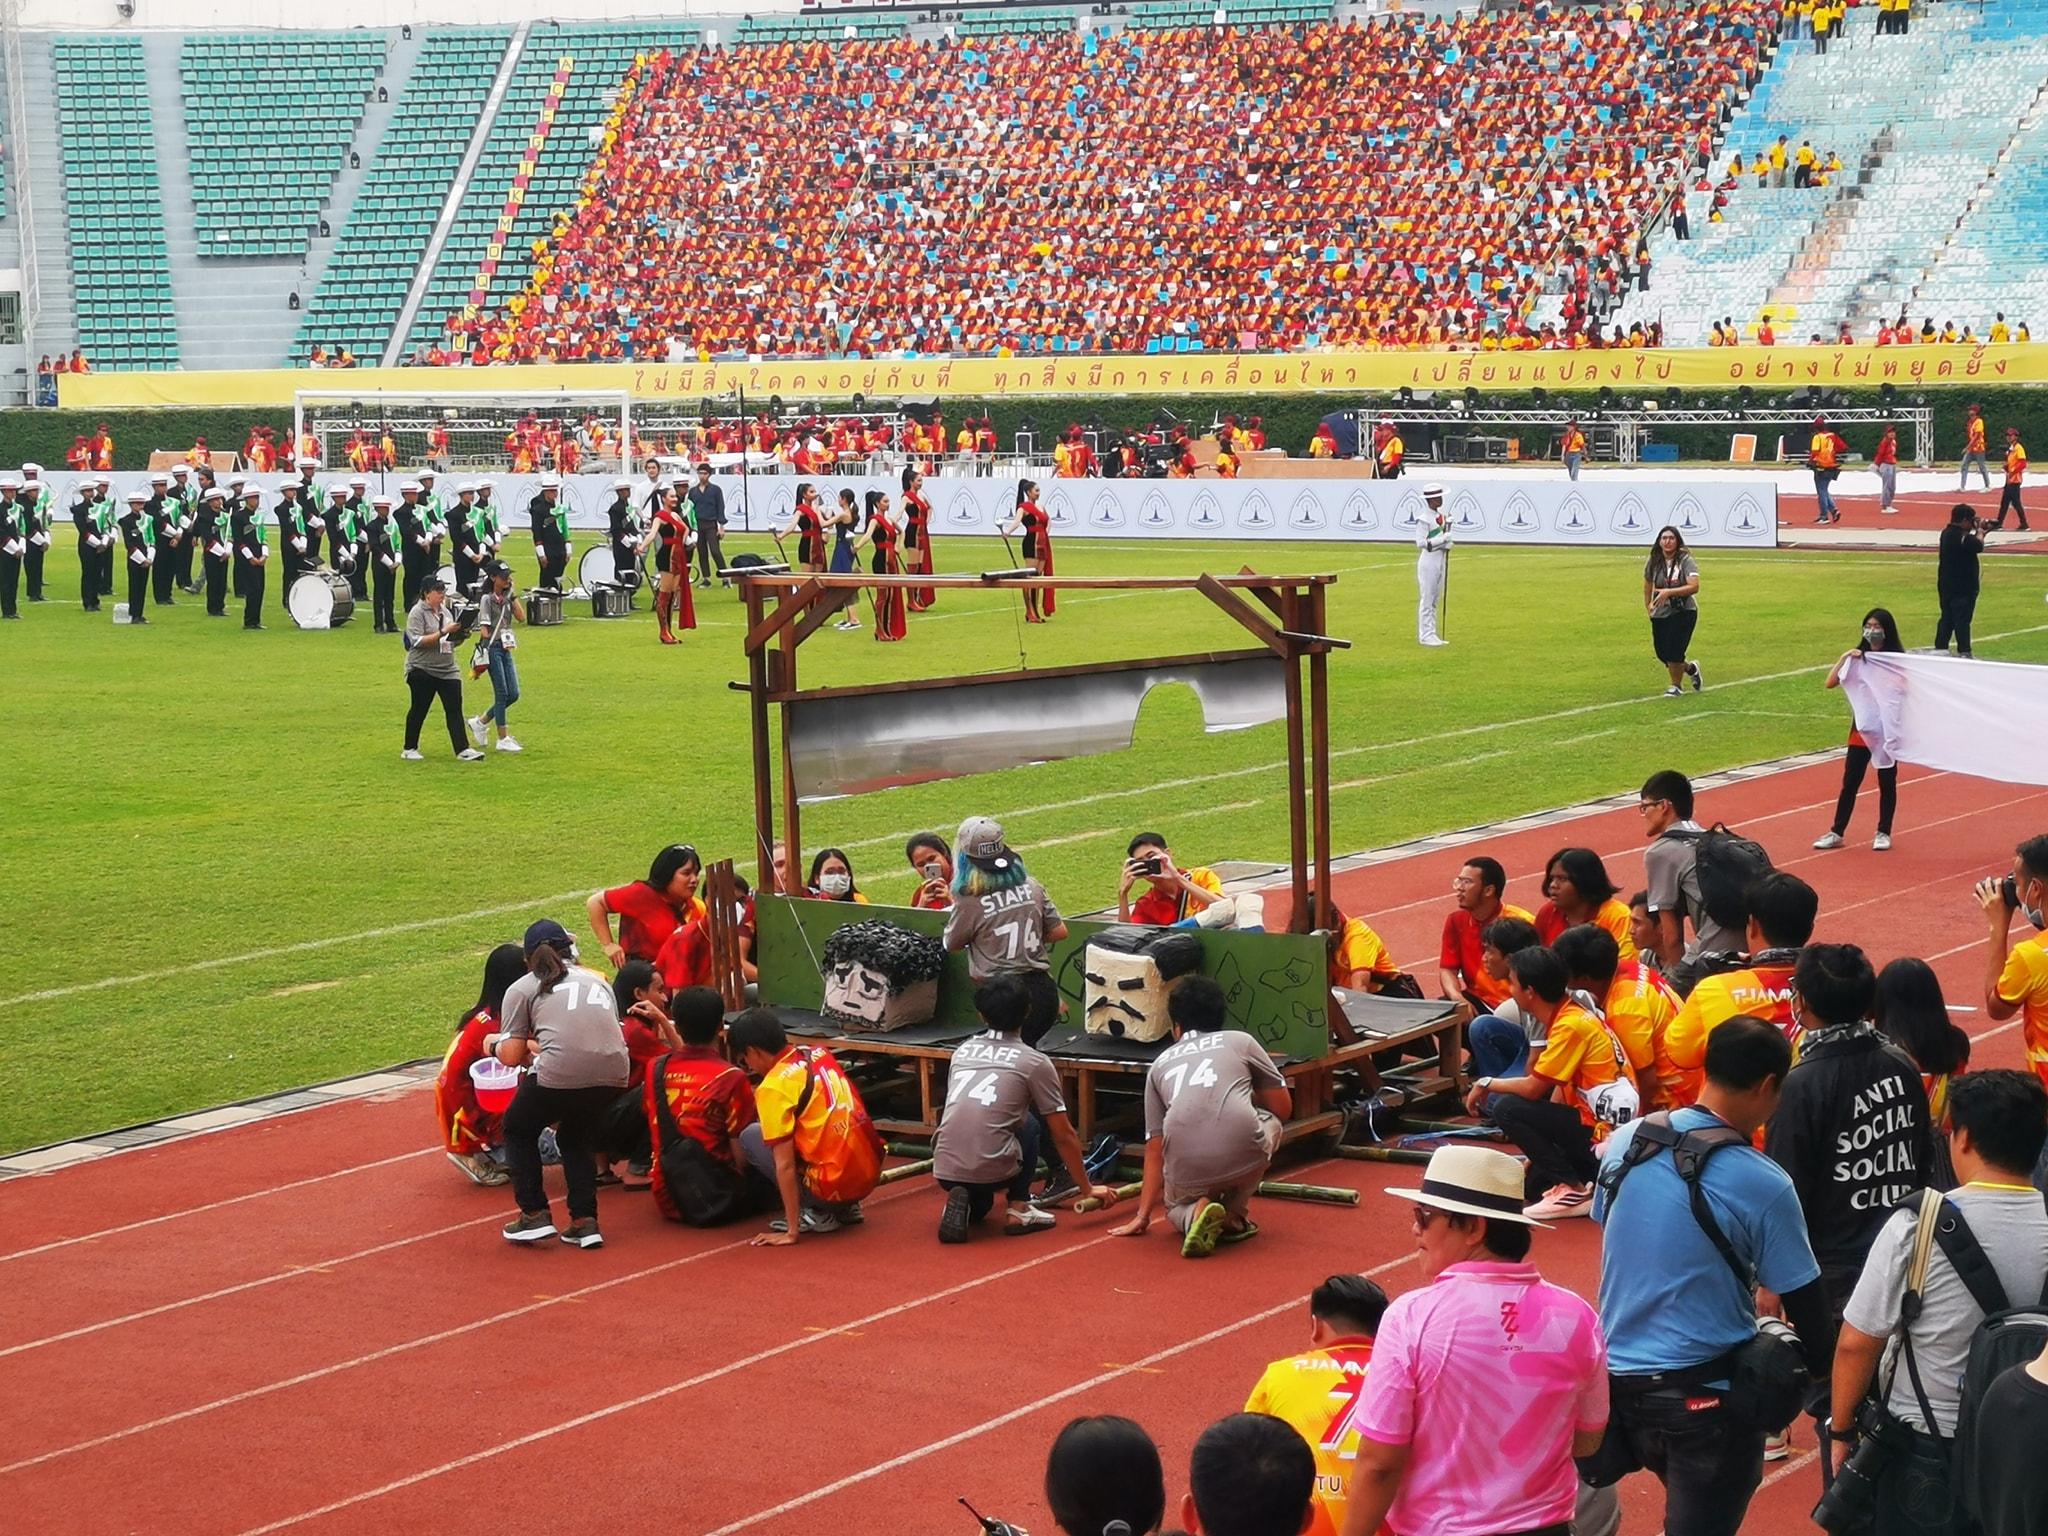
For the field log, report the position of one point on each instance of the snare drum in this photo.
(610, 602)
(320, 599)
(543, 607)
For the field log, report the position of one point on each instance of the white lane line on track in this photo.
(598, 1415)
(932, 1448)
(211, 1205)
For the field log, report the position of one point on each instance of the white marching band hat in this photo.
(407, 485)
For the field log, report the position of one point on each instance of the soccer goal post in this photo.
(481, 431)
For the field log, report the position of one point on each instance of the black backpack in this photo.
(700, 1190)
(1726, 865)
(2008, 1336)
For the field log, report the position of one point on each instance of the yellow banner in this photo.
(1181, 373)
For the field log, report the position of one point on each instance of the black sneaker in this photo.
(530, 1227)
(1099, 1159)
(953, 1221)
(583, 1234)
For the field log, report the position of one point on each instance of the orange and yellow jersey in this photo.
(1761, 992)
(2025, 981)
(1612, 916)
(1821, 452)
(1359, 949)
(1977, 434)
(1579, 1054)
(1315, 1393)
(2016, 463)
(1574, 440)
(1640, 1007)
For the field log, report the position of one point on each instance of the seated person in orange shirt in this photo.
(931, 856)
(1782, 908)
(1172, 894)
(1461, 973)
(1578, 890)
(1636, 1002)
(1573, 1094)
(1359, 959)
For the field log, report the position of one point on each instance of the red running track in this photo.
(1917, 511)
(308, 1323)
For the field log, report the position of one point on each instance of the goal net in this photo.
(508, 432)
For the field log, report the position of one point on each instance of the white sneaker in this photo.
(1882, 842)
(1435, 640)
(1562, 1201)
(1777, 1447)
(1829, 840)
(469, 755)
(507, 744)
(1674, 691)
(1026, 1219)
(476, 730)
(1699, 678)
(413, 755)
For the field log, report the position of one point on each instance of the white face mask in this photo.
(835, 885)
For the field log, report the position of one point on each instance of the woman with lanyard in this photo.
(672, 540)
(1671, 584)
(648, 910)
(495, 643)
(883, 534)
(809, 529)
(917, 538)
(431, 672)
(843, 523)
(1037, 530)
(561, 1022)
(1004, 920)
(1880, 633)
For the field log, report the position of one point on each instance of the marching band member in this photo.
(35, 523)
(164, 512)
(411, 517)
(388, 551)
(484, 518)
(1037, 530)
(917, 538)
(1432, 566)
(464, 546)
(310, 505)
(345, 536)
(296, 542)
(210, 532)
(550, 520)
(186, 494)
(13, 544)
(437, 517)
(252, 551)
(84, 517)
(104, 516)
(138, 538)
(625, 534)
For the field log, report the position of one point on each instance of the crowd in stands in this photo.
(1419, 180)
(1759, 1122)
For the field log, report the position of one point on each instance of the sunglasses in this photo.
(1424, 1215)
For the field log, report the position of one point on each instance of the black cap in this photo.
(433, 584)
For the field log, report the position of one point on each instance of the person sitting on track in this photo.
(643, 999)
(1782, 909)
(1642, 929)
(1314, 1390)
(1360, 960)
(1173, 893)
(1104, 1472)
(813, 1138)
(649, 910)
(474, 1136)
(931, 858)
(1502, 1038)
(1636, 1002)
(1578, 889)
(1461, 974)
(1214, 1104)
(1002, 1097)
(1250, 1474)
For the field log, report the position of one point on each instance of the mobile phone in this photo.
(934, 870)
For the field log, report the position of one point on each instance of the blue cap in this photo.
(547, 931)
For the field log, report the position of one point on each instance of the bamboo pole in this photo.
(1384, 1154)
(905, 1171)
(1123, 1192)
(1325, 1194)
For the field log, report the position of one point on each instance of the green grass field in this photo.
(216, 859)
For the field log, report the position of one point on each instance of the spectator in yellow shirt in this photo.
(2016, 975)
(2000, 332)
(1316, 1390)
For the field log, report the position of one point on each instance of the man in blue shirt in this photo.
(1672, 1306)
(707, 502)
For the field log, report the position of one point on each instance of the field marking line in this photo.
(307, 945)
(211, 1205)
(612, 1410)
(241, 1287)
(1001, 1420)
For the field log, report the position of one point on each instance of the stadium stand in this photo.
(277, 110)
(374, 263)
(1016, 21)
(112, 196)
(811, 26)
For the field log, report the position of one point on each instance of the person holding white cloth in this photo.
(1870, 737)
(1432, 566)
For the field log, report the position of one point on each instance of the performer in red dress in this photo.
(1037, 528)
(890, 623)
(917, 538)
(673, 540)
(809, 527)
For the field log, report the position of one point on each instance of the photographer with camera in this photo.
(1173, 893)
(2016, 975)
(1891, 1454)
(1679, 1264)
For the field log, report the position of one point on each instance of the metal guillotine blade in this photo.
(846, 741)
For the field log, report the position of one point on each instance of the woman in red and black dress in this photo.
(809, 528)
(1037, 528)
(886, 537)
(673, 539)
(917, 537)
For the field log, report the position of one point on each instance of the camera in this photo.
(1850, 1503)
(2009, 892)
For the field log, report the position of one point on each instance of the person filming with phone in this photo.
(1173, 893)
(931, 858)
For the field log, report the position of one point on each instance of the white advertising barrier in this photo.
(1543, 508)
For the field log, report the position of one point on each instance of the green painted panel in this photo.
(1276, 982)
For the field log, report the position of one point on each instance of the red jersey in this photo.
(712, 1103)
(685, 958)
(465, 1127)
(646, 919)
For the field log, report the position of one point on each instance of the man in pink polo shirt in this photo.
(1486, 1382)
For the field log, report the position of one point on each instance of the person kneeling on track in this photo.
(1214, 1103)
(475, 1137)
(813, 1137)
(1001, 1098)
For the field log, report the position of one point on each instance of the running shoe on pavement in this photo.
(1205, 1231)
(583, 1234)
(530, 1227)
(1027, 1219)
(1561, 1201)
(954, 1219)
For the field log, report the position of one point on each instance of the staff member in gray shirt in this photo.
(431, 672)
(707, 506)
(1004, 920)
(562, 1024)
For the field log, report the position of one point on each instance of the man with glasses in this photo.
(1670, 865)
(1461, 969)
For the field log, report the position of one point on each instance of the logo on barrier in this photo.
(1059, 511)
(1574, 516)
(1519, 516)
(1689, 515)
(1205, 512)
(1746, 516)
(1257, 513)
(1307, 513)
(1107, 512)
(781, 507)
(1154, 512)
(963, 511)
(1465, 514)
(1359, 515)
(1409, 512)
(1630, 515)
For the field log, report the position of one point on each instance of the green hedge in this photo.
(1290, 420)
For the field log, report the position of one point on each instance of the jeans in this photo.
(425, 689)
(1571, 464)
(981, 1198)
(1957, 609)
(1887, 485)
(1710, 1466)
(761, 1158)
(1853, 764)
(578, 1115)
(504, 685)
(1821, 480)
(1552, 1136)
(1915, 1496)
(1975, 457)
(1499, 1049)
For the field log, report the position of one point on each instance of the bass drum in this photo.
(320, 600)
(447, 575)
(598, 568)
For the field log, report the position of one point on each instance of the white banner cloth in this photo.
(1988, 719)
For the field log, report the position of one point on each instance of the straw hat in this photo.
(1472, 1181)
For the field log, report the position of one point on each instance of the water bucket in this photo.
(495, 1083)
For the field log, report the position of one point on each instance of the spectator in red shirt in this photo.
(648, 910)
(709, 1103)
(643, 999)
(932, 858)
(471, 1134)
(1172, 893)
(1461, 968)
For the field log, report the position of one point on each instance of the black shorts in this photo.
(1672, 634)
